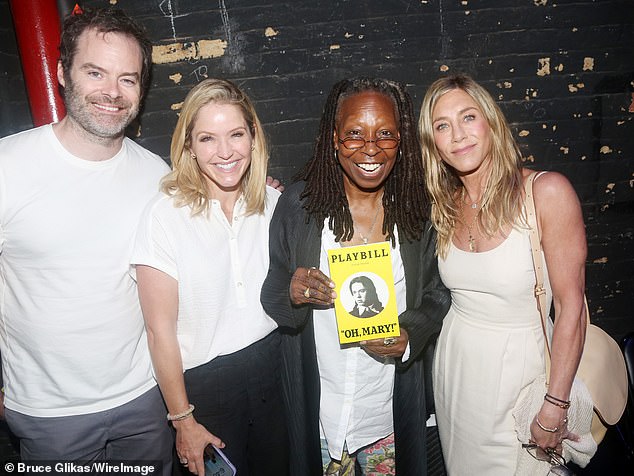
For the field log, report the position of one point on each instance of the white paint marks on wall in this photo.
(167, 10)
(224, 15)
(175, 52)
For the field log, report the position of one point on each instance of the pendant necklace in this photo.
(472, 242)
(376, 215)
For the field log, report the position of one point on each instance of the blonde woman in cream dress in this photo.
(491, 343)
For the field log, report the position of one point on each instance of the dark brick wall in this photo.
(15, 115)
(563, 72)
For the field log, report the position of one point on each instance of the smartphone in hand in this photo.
(216, 463)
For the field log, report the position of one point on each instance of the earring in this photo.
(252, 148)
(193, 156)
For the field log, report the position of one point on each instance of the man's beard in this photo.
(92, 121)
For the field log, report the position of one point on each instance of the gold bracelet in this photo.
(549, 430)
(182, 415)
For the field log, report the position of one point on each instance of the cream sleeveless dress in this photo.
(490, 347)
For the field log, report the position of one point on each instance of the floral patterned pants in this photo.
(376, 459)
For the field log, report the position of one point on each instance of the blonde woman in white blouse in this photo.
(201, 256)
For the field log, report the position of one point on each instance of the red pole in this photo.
(37, 29)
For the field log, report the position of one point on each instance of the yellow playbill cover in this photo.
(366, 302)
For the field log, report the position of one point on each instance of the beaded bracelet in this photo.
(182, 415)
(565, 404)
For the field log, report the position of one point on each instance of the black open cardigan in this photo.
(295, 241)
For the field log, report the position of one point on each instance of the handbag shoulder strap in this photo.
(538, 262)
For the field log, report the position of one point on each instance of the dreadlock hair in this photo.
(405, 201)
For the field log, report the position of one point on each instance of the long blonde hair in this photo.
(186, 183)
(502, 198)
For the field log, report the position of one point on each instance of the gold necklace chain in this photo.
(472, 241)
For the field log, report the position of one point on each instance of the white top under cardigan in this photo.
(356, 388)
(220, 268)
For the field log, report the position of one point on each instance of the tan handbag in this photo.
(602, 366)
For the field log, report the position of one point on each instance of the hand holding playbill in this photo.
(311, 286)
(388, 346)
(366, 302)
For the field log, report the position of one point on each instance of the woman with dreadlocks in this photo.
(364, 184)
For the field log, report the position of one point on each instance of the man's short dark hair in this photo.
(104, 20)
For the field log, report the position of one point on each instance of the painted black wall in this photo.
(563, 73)
(15, 115)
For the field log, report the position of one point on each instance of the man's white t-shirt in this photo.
(71, 333)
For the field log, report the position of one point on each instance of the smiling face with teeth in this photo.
(102, 89)
(221, 140)
(369, 115)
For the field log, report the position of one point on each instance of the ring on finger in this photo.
(307, 293)
(389, 341)
(184, 461)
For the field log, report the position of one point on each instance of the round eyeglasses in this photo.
(356, 143)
